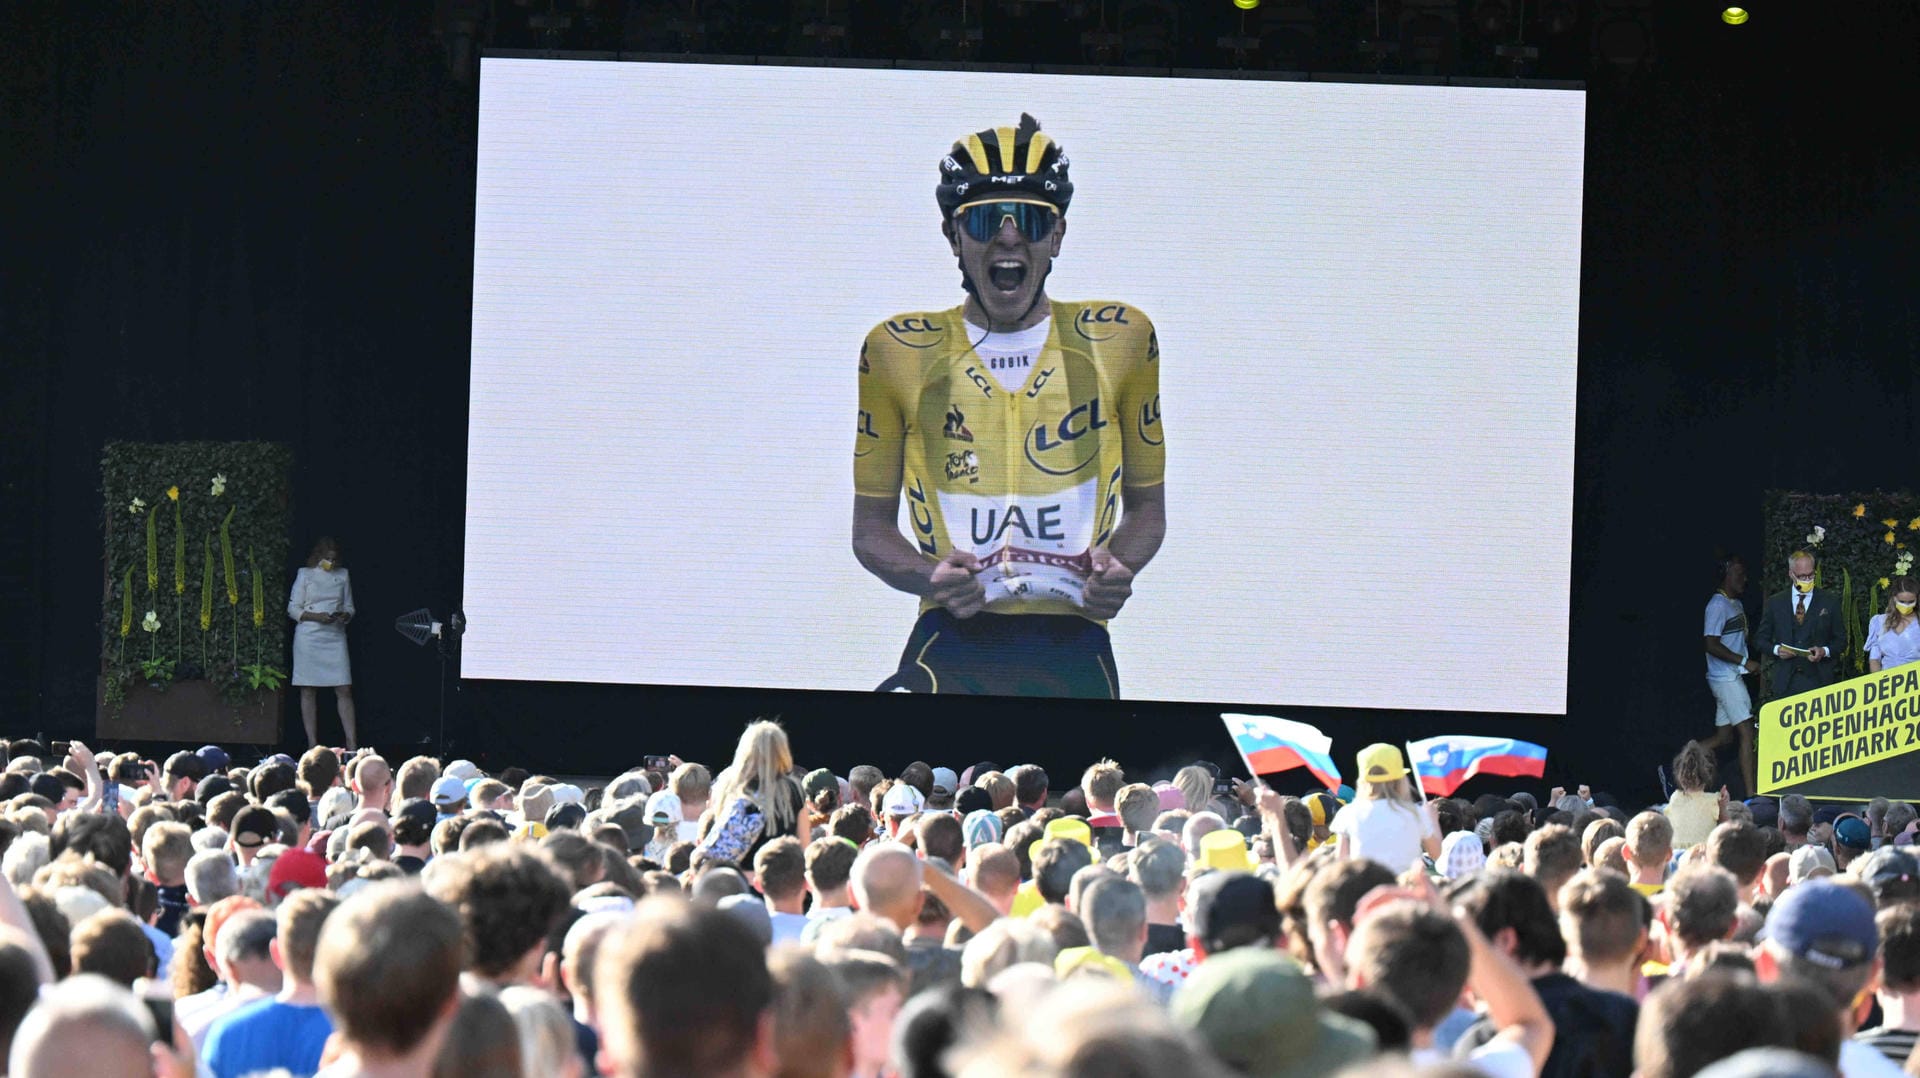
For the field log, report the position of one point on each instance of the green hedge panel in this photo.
(194, 564)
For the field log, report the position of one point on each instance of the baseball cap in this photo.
(1766, 811)
(1828, 813)
(1170, 796)
(945, 782)
(1321, 806)
(1853, 833)
(972, 799)
(981, 826)
(1381, 762)
(211, 787)
(902, 800)
(1257, 1011)
(417, 809)
(819, 781)
(255, 825)
(1892, 870)
(1826, 923)
(448, 790)
(1461, 854)
(663, 807)
(1231, 909)
(1225, 850)
(214, 757)
(462, 770)
(566, 793)
(1067, 827)
(1344, 793)
(535, 799)
(293, 870)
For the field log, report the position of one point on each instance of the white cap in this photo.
(1807, 862)
(945, 782)
(462, 770)
(663, 807)
(902, 800)
(567, 793)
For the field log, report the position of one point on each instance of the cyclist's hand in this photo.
(954, 585)
(1109, 587)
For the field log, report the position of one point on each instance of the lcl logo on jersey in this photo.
(1056, 448)
(916, 332)
(1150, 431)
(1091, 320)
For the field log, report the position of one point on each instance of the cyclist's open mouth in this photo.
(1007, 276)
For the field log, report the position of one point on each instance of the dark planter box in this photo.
(188, 711)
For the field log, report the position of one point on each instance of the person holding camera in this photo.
(321, 605)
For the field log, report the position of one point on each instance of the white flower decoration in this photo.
(219, 484)
(136, 506)
(151, 622)
(1813, 538)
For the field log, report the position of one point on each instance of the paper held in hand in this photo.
(1800, 653)
(1012, 572)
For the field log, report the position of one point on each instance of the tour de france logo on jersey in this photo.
(916, 332)
(963, 465)
(956, 427)
(1061, 447)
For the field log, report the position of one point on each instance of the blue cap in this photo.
(1344, 793)
(1826, 923)
(1852, 832)
(214, 757)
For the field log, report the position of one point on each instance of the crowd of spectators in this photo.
(339, 915)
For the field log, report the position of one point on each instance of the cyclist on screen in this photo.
(1025, 435)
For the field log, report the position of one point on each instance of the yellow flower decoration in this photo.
(1885, 583)
(1889, 538)
(1914, 525)
(1891, 522)
(1860, 510)
(173, 494)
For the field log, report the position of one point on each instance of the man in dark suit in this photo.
(1802, 617)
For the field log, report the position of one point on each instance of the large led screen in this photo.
(1279, 411)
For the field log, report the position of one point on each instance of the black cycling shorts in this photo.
(1007, 655)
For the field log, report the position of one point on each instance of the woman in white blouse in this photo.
(321, 605)
(1893, 638)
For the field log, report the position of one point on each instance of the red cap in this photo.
(293, 870)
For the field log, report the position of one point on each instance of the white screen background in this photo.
(1367, 302)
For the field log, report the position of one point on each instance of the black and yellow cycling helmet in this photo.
(1004, 162)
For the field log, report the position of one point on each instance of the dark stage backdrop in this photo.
(254, 222)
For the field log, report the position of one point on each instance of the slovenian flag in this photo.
(1268, 745)
(1443, 763)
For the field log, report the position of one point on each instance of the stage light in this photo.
(1246, 5)
(1734, 16)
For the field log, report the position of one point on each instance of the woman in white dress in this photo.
(1893, 638)
(321, 605)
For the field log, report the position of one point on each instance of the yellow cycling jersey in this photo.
(1028, 479)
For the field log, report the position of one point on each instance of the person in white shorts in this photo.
(1728, 665)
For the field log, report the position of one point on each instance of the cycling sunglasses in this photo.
(983, 220)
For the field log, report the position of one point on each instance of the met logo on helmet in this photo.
(1090, 319)
(1052, 448)
(925, 332)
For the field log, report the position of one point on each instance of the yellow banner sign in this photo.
(1838, 728)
